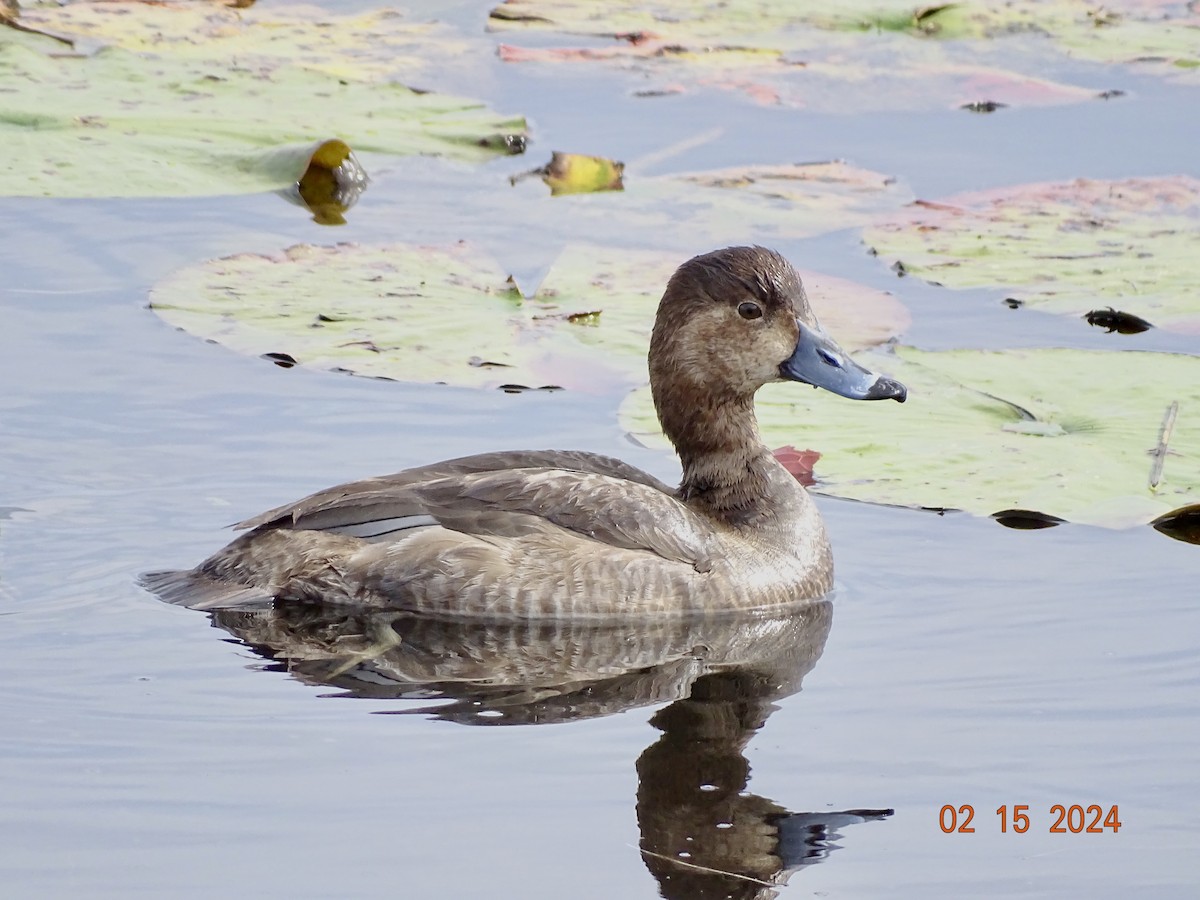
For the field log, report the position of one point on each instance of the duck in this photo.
(573, 535)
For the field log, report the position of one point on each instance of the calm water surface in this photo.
(153, 751)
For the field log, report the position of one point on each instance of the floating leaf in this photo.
(895, 45)
(719, 207)
(1086, 423)
(830, 57)
(450, 315)
(375, 46)
(1063, 247)
(129, 123)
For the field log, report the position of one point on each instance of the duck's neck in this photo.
(727, 470)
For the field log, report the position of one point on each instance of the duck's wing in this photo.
(321, 510)
(594, 499)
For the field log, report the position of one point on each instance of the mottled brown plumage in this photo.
(569, 534)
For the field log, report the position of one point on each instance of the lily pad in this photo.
(450, 314)
(373, 46)
(1065, 247)
(1067, 433)
(897, 47)
(698, 210)
(829, 57)
(123, 122)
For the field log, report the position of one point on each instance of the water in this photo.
(147, 751)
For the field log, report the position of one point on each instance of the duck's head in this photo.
(733, 320)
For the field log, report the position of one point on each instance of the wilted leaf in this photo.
(1067, 433)
(450, 315)
(330, 181)
(573, 173)
(1064, 247)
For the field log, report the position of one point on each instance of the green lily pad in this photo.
(1069, 433)
(125, 122)
(373, 46)
(450, 314)
(1066, 248)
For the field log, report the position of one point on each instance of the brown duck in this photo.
(569, 534)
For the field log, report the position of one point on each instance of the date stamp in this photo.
(1062, 819)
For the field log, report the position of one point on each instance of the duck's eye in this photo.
(750, 310)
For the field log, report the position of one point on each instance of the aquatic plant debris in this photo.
(862, 55)
(1066, 433)
(575, 173)
(451, 315)
(1065, 247)
(191, 98)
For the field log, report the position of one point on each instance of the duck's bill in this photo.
(819, 361)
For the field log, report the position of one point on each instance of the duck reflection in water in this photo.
(702, 833)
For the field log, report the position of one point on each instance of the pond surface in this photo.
(149, 750)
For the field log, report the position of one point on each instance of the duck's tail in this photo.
(198, 591)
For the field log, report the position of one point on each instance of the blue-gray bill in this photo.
(819, 361)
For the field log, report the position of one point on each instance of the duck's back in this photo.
(515, 535)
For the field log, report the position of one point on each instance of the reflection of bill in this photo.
(702, 833)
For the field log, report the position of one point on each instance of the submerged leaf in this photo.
(1062, 247)
(953, 444)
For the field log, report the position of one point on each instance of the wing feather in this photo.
(511, 494)
(383, 497)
